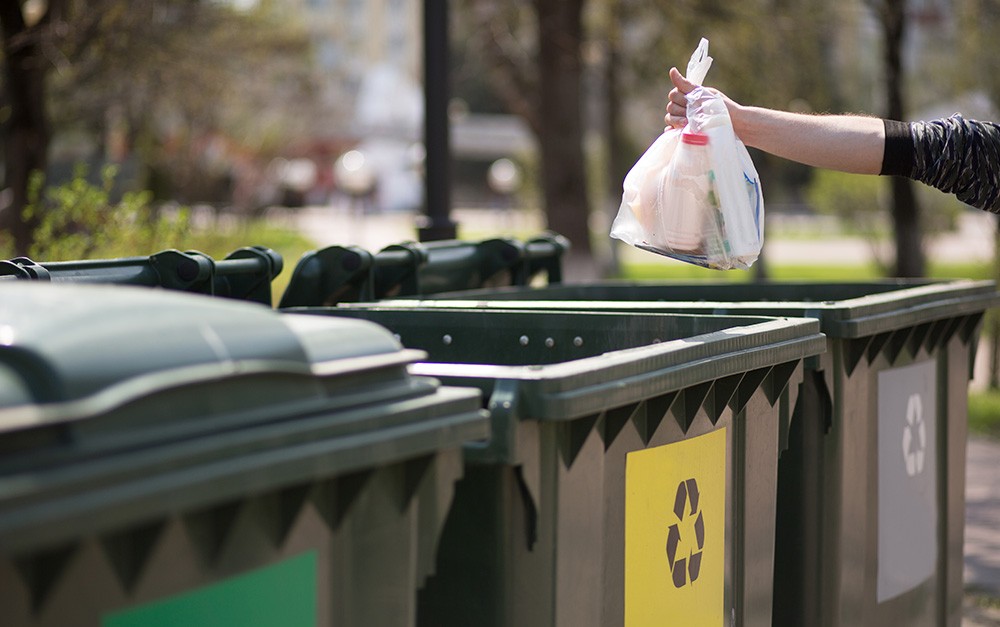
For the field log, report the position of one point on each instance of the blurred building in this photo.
(369, 64)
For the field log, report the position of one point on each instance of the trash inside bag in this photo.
(694, 195)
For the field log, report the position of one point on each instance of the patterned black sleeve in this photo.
(961, 157)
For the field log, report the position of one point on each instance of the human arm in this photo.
(954, 155)
(849, 143)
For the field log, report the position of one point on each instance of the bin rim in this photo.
(569, 389)
(44, 507)
(916, 302)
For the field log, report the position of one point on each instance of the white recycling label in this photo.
(907, 478)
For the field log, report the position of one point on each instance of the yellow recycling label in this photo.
(675, 533)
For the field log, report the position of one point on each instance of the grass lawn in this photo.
(984, 413)
(860, 272)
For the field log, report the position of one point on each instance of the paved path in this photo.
(982, 534)
(982, 516)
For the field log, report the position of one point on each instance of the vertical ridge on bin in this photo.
(650, 413)
(950, 329)
(916, 339)
(333, 498)
(896, 343)
(778, 379)
(414, 471)
(689, 402)
(970, 326)
(854, 350)
(723, 391)
(129, 550)
(876, 344)
(749, 384)
(208, 529)
(933, 340)
(612, 422)
(573, 435)
(42, 570)
(277, 511)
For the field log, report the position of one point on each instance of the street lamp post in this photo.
(438, 224)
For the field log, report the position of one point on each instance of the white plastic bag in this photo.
(694, 195)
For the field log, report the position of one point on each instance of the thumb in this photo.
(682, 84)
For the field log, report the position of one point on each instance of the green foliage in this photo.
(669, 270)
(984, 412)
(79, 220)
(856, 200)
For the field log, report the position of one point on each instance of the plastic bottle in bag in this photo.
(691, 211)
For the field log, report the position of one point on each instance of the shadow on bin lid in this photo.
(62, 343)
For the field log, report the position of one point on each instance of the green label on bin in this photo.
(282, 595)
(907, 478)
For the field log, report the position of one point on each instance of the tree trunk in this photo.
(910, 261)
(561, 121)
(26, 132)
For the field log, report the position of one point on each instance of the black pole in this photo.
(438, 224)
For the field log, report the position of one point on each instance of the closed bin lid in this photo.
(196, 399)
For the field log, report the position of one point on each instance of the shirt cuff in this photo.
(897, 160)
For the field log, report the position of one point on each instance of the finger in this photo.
(675, 97)
(675, 117)
(674, 122)
(681, 83)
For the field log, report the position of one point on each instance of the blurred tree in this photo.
(977, 68)
(892, 17)
(26, 35)
(153, 77)
(533, 58)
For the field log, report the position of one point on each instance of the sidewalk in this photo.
(982, 533)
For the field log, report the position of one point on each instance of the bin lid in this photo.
(844, 309)
(568, 364)
(191, 400)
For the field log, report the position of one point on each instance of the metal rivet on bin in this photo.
(578, 341)
(549, 342)
(446, 339)
(524, 340)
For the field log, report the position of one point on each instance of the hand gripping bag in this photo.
(694, 195)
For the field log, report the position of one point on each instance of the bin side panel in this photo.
(365, 544)
(954, 433)
(758, 424)
(847, 494)
(578, 533)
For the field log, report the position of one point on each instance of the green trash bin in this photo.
(872, 489)
(630, 476)
(170, 459)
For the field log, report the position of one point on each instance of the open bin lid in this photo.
(119, 404)
(568, 364)
(845, 309)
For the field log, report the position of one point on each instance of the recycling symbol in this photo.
(914, 436)
(685, 569)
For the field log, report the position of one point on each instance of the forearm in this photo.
(849, 143)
